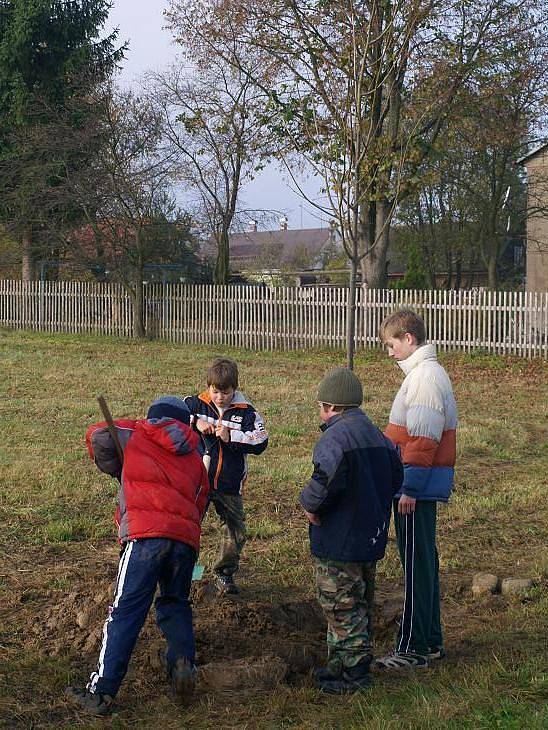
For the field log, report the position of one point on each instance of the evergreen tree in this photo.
(51, 57)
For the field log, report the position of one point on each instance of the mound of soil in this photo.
(74, 624)
(243, 674)
(240, 643)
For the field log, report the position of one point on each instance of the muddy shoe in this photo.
(435, 652)
(225, 584)
(183, 678)
(400, 662)
(94, 703)
(352, 679)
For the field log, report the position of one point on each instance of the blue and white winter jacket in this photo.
(228, 466)
(357, 472)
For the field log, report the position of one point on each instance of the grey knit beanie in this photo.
(340, 387)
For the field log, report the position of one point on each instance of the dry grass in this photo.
(56, 535)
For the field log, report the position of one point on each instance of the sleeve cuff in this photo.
(312, 496)
(414, 481)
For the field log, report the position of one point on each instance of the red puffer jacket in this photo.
(163, 482)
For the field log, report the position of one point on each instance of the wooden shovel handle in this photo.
(111, 427)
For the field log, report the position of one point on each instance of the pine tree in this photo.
(51, 58)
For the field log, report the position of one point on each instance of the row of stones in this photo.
(485, 583)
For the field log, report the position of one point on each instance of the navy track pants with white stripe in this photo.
(144, 565)
(420, 627)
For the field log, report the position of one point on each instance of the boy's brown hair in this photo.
(223, 374)
(399, 323)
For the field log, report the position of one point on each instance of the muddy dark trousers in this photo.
(420, 627)
(345, 593)
(230, 508)
(144, 564)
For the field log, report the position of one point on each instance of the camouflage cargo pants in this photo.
(230, 508)
(345, 592)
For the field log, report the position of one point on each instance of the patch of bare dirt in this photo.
(253, 639)
(239, 641)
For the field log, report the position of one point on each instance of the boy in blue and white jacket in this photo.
(231, 429)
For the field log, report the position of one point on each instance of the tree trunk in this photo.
(427, 258)
(449, 277)
(220, 275)
(374, 264)
(472, 265)
(27, 268)
(351, 315)
(492, 272)
(138, 310)
(458, 272)
(54, 265)
(139, 329)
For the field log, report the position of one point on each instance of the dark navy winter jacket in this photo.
(357, 472)
(228, 466)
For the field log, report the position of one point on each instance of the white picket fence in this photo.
(290, 318)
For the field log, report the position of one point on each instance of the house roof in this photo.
(271, 248)
(286, 242)
(532, 153)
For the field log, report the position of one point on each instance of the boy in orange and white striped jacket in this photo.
(422, 424)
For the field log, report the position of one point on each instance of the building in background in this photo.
(536, 165)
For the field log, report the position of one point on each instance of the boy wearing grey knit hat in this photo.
(347, 502)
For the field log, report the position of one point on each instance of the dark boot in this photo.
(226, 585)
(183, 678)
(328, 673)
(94, 703)
(352, 679)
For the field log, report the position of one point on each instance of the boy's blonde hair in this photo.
(399, 323)
(223, 374)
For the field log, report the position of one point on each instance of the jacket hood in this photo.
(424, 352)
(238, 399)
(169, 434)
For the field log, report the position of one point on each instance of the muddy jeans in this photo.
(230, 509)
(145, 564)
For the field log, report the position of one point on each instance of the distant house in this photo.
(304, 249)
(536, 165)
(305, 252)
(301, 254)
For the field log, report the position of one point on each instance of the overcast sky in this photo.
(141, 23)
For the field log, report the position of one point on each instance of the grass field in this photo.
(59, 556)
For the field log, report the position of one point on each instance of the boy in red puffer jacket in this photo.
(162, 497)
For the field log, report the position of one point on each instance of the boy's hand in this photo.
(313, 519)
(222, 432)
(204, 426)
(406, 505)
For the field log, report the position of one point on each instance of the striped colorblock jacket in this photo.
(423, 423)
